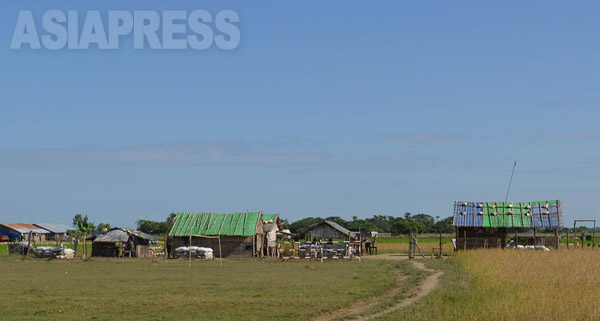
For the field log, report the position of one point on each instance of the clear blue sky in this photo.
(325, 108)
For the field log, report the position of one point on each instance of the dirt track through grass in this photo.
(359, 308)
(363, 305)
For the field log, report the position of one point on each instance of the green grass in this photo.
(412, 277)
(443, 303)
(130, 289)
(4, 247)
(424, 239)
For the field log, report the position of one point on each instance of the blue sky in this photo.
(325, 108)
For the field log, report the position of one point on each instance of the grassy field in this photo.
(427, 244)
(130, 289)
(476, 285)
(512, 285)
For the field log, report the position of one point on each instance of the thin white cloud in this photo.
(424, 138)
(169, 154)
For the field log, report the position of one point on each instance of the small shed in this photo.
(55, 231)
(228, 234)
(327, 230)
(487, 224)
(21, 231)
(134, 243)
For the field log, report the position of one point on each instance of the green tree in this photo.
(171, 219)
(85, 227)
(153, 227)
(100, 228)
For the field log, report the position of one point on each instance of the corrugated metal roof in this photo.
(121, 235)
(54, 227)
(212, 224)
(23, 228)
(333, 224)
(112, 236)
(538, 214)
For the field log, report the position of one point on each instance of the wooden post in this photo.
(440, 244)
(594, 236)
(190, 253)
(360, 241)
(557, 238)
(465, 239)
(410, 245)
(567, 239)
(516, 239)
(456, 236)
(29, 242)
(165, 249)
(534, 235)
(220, 252)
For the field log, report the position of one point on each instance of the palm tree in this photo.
(85, 227)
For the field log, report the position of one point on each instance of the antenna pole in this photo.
(510, 182)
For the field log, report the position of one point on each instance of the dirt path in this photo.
(430, 283)
(362, 305)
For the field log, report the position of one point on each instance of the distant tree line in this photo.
(421, 223)
(156, 227)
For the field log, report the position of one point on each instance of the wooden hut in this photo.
(133, 243)
(327, 230)
(228, 234)
(488, 224)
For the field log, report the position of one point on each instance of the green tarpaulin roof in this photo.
(212, 224)
(269, 217)
(538, 214)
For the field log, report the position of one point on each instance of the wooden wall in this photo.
(232, 246)
(325, 232)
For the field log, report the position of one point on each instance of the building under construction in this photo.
(488, 224)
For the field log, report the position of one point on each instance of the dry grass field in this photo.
(426, 247)
(512, 285)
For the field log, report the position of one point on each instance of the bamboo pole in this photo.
(220, 253)
(29, 241)
(594, 236)
(440, 244)
(165, 249)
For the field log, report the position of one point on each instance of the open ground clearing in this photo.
(472, 285)
(145, 290)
